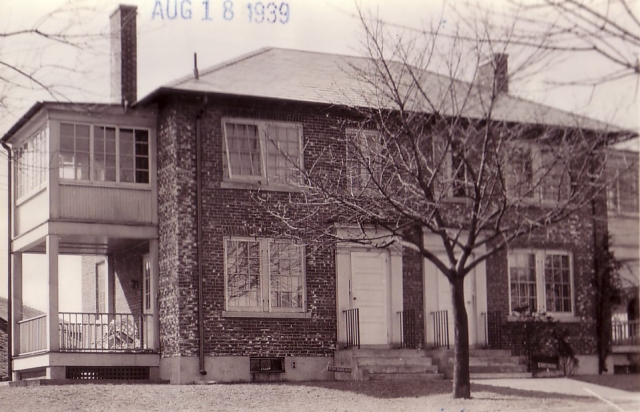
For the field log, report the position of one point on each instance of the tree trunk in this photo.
(461, 378)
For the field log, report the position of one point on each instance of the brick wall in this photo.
(413, 289)
(128, 279)
(89, 293)
(574, 235)
(4, 342)
(228, 212)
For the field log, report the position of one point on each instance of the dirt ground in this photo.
(325, 396)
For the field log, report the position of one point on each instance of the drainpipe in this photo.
(199, 239)
(9, 303)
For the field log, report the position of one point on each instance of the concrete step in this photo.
(387, 353)
(506, 375)
(498, 369)
(394, 369)
(396, 361)
(489, 353)
(405, 376)
(485, 361)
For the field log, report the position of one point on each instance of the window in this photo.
(146, 284)
(264, 275)
(263, 152)
(541, 281)
(104, 153)
(31, 163)
(623, 191)
(537, 173)
(266, 365)
(365, 161)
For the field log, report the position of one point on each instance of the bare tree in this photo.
(609, 29)
(48, 56)
(459, 161)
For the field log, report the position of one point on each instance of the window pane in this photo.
(283, 153)
(519, 172)
(557, 273)
(243, 149)
(286, 274)
(522, 269)
(243, 273)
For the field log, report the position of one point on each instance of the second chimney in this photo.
(495, 73)
(124, 67)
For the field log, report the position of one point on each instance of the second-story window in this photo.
(31, 164)
(262, 151)
(104, 153)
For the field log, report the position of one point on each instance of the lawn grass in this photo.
(630, 382)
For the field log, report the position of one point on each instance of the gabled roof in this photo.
(312, 77)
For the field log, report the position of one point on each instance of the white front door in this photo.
(369, 294)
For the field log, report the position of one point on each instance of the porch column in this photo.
(155, 270)
(52, 304)
(111, 287)
(16, 302)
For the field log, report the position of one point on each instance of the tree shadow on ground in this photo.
(412, 389)
(629, 382)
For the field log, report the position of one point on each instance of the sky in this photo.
(171, 31)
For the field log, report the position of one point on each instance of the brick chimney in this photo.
(124, 67)
(495, 73)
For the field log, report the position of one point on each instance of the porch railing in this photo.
(353, 327)
(408, 329)
(440, 329)
(33, 334)
(625, 333)
(104, 332)
(492, 329)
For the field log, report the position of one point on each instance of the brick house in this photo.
(185, 278)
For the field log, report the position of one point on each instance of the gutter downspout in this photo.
(9, 274)
(199, 237)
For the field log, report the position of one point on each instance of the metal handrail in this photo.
(353, 327)
(440, 329)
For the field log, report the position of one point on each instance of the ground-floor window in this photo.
(541, 281)
(264, 275)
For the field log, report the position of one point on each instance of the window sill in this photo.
(559, 318)
(288, 315)
(248, 185)
(110, 185)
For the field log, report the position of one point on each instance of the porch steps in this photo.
(394, 364)
(485, 364)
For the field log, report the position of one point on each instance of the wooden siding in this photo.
(106, 204)
(31, 212)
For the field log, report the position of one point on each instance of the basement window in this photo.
(266, 365)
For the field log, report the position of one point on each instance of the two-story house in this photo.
(187, 278)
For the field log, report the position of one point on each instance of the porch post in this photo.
(111, 286)
(155, 270)
(16, 302)
(52, 305)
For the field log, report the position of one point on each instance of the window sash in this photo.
(262, 151)
(104, 153)
(542, 280)
(264, 275)
(31, 163)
